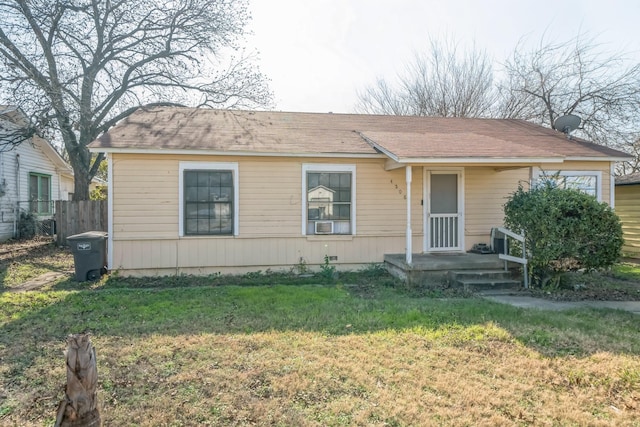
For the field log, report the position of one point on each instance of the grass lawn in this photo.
(358, 351)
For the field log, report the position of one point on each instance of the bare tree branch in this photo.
(79, 66)
(574, 77)
(444, 82)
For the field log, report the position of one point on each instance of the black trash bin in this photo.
(89, 254)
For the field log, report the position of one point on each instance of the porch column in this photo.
(409, 249)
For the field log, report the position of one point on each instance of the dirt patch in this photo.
(39, 282)
(33, 264)
(14, 250)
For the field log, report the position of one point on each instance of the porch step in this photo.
(477, 280)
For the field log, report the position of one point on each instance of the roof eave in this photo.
(600, 159)
(484, 160)
(230, 153)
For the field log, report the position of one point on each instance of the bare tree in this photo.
(445, 82)
(79, 66)
(574, 77)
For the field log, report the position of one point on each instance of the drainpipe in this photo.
(612, 185)
(409, 248)
(16, 211)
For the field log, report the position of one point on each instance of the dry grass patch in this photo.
(186, 351)
(452, 376)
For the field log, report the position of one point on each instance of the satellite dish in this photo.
(567, 124)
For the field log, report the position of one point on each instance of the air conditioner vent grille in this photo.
(324, 227)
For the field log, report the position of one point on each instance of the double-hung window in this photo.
(208, 199)
(328, 199)
(40, 193)
(589, 182)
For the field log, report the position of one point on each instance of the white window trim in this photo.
(325, 167)
(233, 167)
(597, 174)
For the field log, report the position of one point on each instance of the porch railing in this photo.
(444, 231)
(506, 257)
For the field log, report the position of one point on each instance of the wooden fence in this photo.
(79, 217)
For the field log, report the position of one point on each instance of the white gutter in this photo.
(177, 151)
(481, 160)
(600, 159)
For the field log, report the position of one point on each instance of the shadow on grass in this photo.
(35, 257)
(41, 318)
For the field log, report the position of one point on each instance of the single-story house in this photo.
(628, 209)
(199, 191)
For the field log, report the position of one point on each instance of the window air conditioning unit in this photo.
(324, 227)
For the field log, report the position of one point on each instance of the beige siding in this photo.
(382, 203)
(486, 192)
(146, 215)
(628, 209)
(145, 227)
(145, 197)
(230, 255)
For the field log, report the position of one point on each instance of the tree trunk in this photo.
(81, 183)
(79, 408)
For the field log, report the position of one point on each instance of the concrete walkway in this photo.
(526, 301)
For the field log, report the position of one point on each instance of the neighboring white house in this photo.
(32, 175)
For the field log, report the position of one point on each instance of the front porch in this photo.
(434, 269)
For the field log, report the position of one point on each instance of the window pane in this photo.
(203, 179)
(203, 194)
(344, 196)
(312, 180)
(190, 179)
(33, 187)
(225, 179)
(334, 180)
(191, 210)
(584, 183)
(45, 197)
(191, 194)
(45, 188)
(191, 226)
(213, 212)
(329, 199)
(224, 193)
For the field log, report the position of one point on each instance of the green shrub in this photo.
(26, 226)
(565, 230)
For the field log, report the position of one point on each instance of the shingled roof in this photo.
(402, 138)
(630, 179)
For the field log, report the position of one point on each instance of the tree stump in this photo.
(79, 408)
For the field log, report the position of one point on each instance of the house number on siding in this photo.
(399, 189)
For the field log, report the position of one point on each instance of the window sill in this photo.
(207, 236)
(329, 237)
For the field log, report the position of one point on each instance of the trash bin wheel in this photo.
(94, 275)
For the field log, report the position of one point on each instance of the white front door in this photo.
(444, 210)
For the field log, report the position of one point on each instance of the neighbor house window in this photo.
(328, 199)
(40, 193)
(589, 182)
(209, 198)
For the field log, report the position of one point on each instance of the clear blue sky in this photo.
(319, 53)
